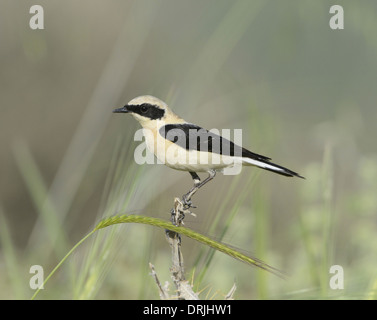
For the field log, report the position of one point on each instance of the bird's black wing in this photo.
(192, 137)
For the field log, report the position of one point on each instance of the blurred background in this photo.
(303, 94)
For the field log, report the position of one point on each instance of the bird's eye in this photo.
(144, 108)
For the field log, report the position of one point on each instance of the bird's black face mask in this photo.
(147, 110)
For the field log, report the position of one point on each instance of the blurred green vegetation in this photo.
(302, 93)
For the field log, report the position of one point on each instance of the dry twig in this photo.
(184, 288)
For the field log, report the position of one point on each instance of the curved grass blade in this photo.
(61, 262)
(191, 234)
(169, 226)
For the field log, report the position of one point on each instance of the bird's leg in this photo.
(186, 199)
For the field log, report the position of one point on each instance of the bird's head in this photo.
(148, 110)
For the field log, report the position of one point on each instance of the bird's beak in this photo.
(121, 110)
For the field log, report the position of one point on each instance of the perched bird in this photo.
(183, 146)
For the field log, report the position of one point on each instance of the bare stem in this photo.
(184, 289)
(164, 295)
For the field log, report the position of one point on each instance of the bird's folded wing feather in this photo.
(192, 137)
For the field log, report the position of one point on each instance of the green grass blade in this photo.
(62, 261)
(167, 225)
(38, 191)
(191, 234)
(10, 258)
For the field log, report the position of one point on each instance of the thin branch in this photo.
(163, 291)
(184, 289)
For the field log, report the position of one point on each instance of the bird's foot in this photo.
(186, 201)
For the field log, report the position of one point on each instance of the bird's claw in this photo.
(187, 203)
